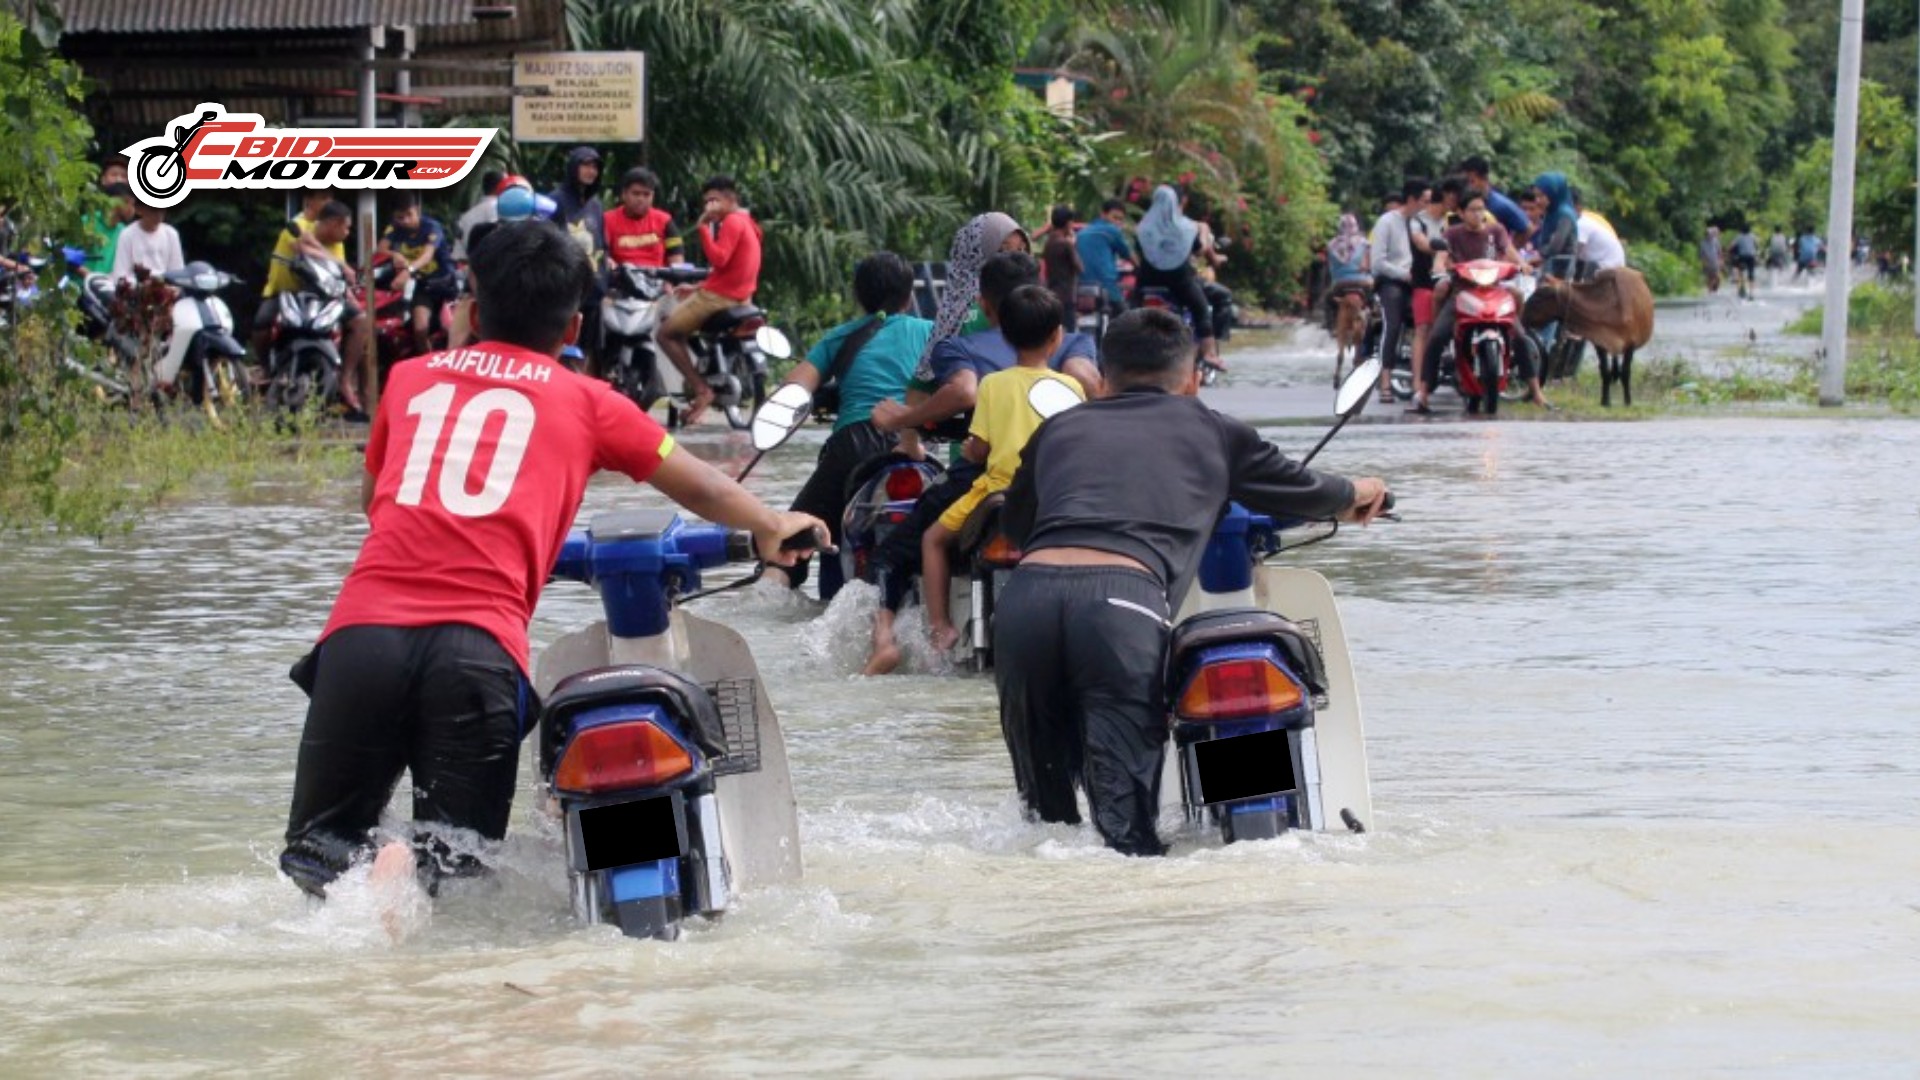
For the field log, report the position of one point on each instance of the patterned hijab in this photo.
(976, 242)
(1166, 235)
(1345, 247)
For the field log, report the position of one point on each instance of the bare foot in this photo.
(701, 402)
(943, 637)
(392, 880)
(884, 659)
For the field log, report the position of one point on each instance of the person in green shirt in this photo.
(105, 226)
(886, 344)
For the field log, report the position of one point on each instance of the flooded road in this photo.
(1640, 700)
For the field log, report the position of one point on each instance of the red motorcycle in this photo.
(1487, 335)
(393, 315)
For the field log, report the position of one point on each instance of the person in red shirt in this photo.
(639, 233)
(475, 468)
(731, 240)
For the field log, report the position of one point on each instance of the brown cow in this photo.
(1614, 311)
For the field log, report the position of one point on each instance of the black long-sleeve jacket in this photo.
(1146, 474)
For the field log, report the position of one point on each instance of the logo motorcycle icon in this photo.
(212, 148)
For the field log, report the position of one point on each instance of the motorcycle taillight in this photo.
(620, 756)
(1000, 551)
(749, 327)
(903, 484)
(1236, 689)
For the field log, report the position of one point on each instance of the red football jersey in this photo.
(641, 241)
(480, 457)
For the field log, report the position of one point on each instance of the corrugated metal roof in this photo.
(170, 16)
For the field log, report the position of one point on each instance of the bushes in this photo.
(1872, 308)
(1667, 274)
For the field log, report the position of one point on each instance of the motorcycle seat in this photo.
(982, 523)
(686, 700)
(1246, 624)
(722, 322)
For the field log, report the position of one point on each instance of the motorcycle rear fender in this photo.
(682, 699)
(1233, 625)
(222, 343)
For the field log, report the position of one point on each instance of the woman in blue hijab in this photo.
(1167, 238)
(1557, 240)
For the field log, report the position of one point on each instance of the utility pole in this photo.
(1846, 122)
(366, 225)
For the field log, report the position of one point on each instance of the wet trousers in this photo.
(1078, 656)
(446, 703)
(896, 562)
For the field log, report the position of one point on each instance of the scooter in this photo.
(303, 363)
(730, 351)
(629, 316)
(1486, 335)
(882, 493)
(1264, 707)
(659, 747)
(203, 357)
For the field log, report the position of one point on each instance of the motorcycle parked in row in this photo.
(203, 358)
(629, 356)
(659, 748)
(303, 363)
(393, 314)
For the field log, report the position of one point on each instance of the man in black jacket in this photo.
(1113, 505)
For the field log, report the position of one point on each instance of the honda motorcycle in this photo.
(303, 364)
(1264, 709)
(203, 358)
(659, 748)
(730, 350)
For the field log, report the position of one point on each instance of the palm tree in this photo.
(810, 106)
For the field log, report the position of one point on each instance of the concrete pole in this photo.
(1846, 123)
(366, 233)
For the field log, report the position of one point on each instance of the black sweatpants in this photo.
(825, 493)
(1078, 654)
(897, 562)
(446, 703)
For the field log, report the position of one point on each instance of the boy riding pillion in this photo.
(1003, 421)
(476, 464)
(1113, 504)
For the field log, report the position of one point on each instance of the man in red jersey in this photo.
(640, 233)
(476, 464)
(731, 240)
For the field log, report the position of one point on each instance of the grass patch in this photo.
(1872, 308)
(1879, 371)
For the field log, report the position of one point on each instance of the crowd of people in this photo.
(1425, 228)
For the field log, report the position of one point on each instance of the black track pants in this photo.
(1078, 653)
(444, 702)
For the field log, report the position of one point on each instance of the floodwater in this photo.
(1640, 701)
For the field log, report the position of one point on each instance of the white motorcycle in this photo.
(203, 358)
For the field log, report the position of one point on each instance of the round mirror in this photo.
(773, 343)
(1051, 396)
(784, 411)
(1358, 387)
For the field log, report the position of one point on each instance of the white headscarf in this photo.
(1166, 235)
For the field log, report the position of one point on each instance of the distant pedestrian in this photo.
(1710, 258)
(1060, 259)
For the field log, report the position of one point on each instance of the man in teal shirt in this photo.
(882, 349)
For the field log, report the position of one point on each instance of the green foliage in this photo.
(1872, 308)
(1667, 273)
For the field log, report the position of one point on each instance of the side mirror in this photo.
(782, 414)
(1050, 397)
(773, 344)
(1354, 393)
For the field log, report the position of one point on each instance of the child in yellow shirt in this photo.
(1031, 319)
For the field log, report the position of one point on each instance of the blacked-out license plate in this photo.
(635, 832)
(1244, 766)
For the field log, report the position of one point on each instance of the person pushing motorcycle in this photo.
(1113, 504)
(475, 467)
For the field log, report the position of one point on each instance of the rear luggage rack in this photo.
(740, 724)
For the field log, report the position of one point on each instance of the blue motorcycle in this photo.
(658, 745)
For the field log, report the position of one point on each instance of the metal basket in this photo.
(740, 724)
(1312, 629)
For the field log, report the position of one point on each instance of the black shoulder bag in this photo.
(826, 399)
